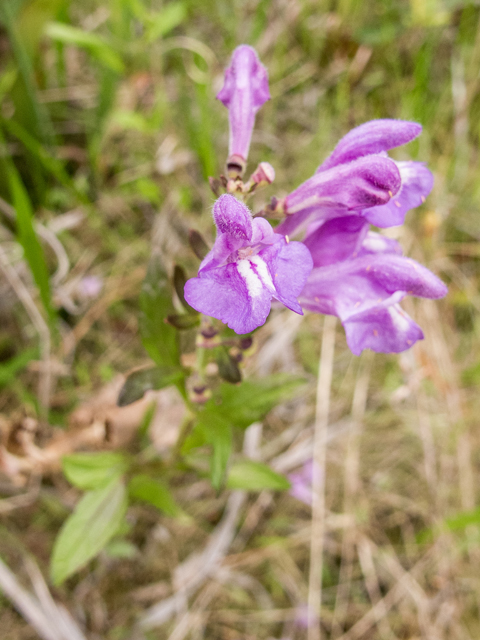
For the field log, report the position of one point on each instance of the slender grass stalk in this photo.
(318, 483)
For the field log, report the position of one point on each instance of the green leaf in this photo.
(9, 369)
(459, 522)
(183, 321)
(228, 368)
(139, 382)
(93, 470)
(97, 46)
(28, 239)
(197, 244)
(179, 280)
(463, 520)
(156, 493)
(255, 476)
(159, 339)
(217, 432)
(51, 164)
(121, 549)
(253, 399)
(36, 113)
(91, 526)
(169, 17)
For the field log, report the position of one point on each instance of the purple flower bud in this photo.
(248, 265)
(361, 277)
(264, 174)
(232, 217)
(358, 176)
(245, 90)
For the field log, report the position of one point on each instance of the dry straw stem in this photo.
(197, 568)
(351, 487)
(45, 376)
(393, 597)
(319, 476)
(50, 620)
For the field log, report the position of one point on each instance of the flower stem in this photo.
(318, 481)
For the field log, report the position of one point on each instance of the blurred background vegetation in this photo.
(108, 131)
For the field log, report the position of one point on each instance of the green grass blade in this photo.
(52, 165)
(28, 239)
(40, 116)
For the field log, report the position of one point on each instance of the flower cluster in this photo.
(340, 266)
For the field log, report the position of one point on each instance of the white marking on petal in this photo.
(375, 243)
(253, 282)
(399, 318)
(263, 272)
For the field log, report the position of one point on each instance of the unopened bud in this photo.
(215, 185)
(235, 166)
(264, 174)
(246, 343)
(209, 332)
(200, 394)
(275, 209)
(232, 186)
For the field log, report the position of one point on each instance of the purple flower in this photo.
(301, 482)
(90, 286)
(358, 178)
(248, 265)
(361, 277)
(245, 90)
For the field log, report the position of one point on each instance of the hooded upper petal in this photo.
(370, 138)
(233, 217)
(417, 182)
(244, 91)
(343, 189)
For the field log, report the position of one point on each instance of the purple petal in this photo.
(371, 137)
(245, 90)
(384, 328)
(232, 217)
(417, 182)
(291, 269)
(263, 232)
(234, 294)
(364, 183)
(300, 489)
(336, 240)
(397, 273)
(364, 291)
(376, 243)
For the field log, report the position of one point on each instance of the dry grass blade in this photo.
(45, 616)
(352, 485)
(45, 378)
(58, 616)
(393, 597)
(319, 477)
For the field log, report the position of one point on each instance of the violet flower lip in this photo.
(361, 277)
(248, 265)
(244, 91)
